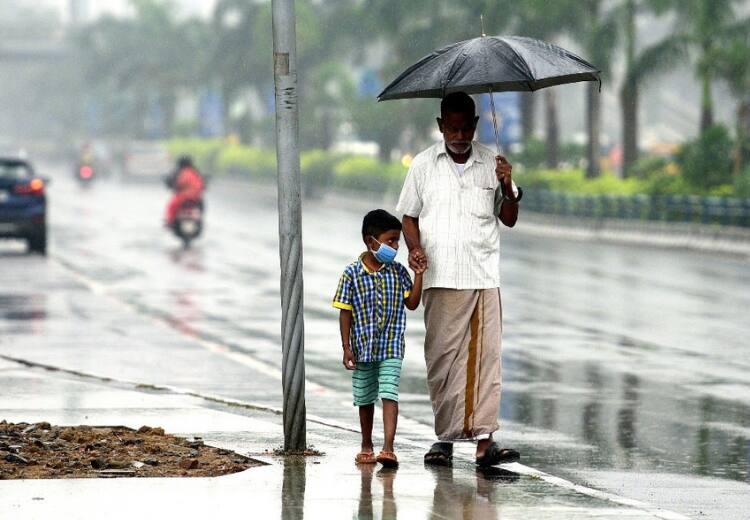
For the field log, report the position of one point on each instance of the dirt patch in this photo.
(310, 451)
(41, 450)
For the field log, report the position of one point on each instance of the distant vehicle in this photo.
(188, 222)
(146, 160)
(23, 204)
(185, 209)
(85, 174)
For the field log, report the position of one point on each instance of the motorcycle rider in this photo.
(187, 184)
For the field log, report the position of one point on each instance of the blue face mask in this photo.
(385, 253)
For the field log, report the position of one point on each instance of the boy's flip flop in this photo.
(440, 454)
(494, 454)
(365, 458)
(388, 459)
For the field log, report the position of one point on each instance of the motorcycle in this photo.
(188, 222)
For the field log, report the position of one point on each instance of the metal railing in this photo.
(668, 208)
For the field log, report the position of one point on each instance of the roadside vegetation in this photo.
(702, 167)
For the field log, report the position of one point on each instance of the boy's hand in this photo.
(349, 362)
(417, 259)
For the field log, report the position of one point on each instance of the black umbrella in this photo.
(490, 64)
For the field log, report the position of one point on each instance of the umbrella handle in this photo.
(497, 137)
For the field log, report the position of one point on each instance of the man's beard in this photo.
(459, 147)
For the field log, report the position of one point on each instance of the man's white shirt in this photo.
(458, 217)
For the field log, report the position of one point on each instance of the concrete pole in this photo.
(290, 224)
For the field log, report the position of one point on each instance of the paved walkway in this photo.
(329, 486)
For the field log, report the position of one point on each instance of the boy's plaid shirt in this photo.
(376, 300)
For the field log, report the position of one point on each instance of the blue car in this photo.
(23, 204)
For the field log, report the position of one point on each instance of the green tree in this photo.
(701, 27)
(599, 42)
(733, 65)
(640, 64)
(409, 30)
(545, 20)
(143, 60)
(706, 162)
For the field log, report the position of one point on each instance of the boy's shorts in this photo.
(376, 379)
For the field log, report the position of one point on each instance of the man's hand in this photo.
(349, 362)
(417, 260)
(503, 171)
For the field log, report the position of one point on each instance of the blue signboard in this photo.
(155, 119)
(508, 111)
(211, 114)
(369, 84)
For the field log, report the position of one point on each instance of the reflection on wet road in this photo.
(626, 368)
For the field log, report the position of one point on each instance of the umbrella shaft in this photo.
(494, 122)
(497, 137)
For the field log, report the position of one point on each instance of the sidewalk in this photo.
(330, 486)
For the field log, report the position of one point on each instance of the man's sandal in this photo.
(440, 454)
(365, 458)
(494, 454)
(387, 459)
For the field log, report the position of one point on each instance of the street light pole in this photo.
(290, 223)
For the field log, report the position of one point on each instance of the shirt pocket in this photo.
(482, 201)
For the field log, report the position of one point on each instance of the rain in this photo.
(143, 269)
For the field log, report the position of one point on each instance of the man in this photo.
(454, 194)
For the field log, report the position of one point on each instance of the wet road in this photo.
(625, 368)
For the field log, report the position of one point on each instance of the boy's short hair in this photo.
(457, 103)
(377, 222)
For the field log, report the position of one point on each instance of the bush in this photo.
(742, 184)
(707, 161)
(534, 154)
(572, 153)
(368, 174)
(240, 159)
(575, 181)
(665, 183)
(724, 190)
(360, 173)
(317, 169)
(646, 167)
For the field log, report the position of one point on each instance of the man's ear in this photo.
(440, 124)
(476, 120)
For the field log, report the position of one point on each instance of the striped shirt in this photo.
(458, 217)
(376, 299)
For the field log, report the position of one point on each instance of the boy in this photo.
(371, 297)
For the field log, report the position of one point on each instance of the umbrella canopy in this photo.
(490, 64)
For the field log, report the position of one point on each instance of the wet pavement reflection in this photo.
(293, 489)
(386, 477)
(466, 498)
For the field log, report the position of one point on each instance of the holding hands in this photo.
(417, 260)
